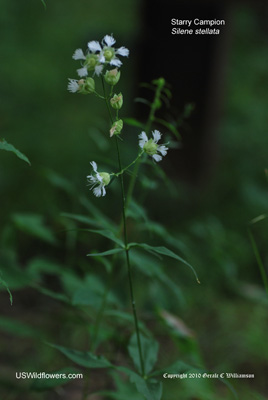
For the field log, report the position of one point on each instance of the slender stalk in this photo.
(148, 127)
(125, 236)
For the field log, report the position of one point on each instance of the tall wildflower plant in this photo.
(102, 62)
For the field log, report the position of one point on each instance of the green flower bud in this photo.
(112, 77)
(150, 147)
(116, 128)
(105, 178)
(86, 86)
(90, 85)
(117, 101)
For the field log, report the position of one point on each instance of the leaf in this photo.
(3, 283)
(151, 389)
(9, 147)
(19, 329)
(169, 126)
(58, 378)
(164, 251)
(142, 100)
(33, 224)
(127, 317)
(149, 348)
(54, 295)
(178, 366)
(134, 122)
(108, 234)
(38, 265)
(82, 218)
(83, 358)
(106, 253)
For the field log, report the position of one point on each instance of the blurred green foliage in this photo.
(221, 324)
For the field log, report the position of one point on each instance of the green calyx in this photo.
(91, 61)
(86, 86)
(105, 178)
(108, 54)
(116, 128)
(150, 147)
(112, 77)
(117, 101)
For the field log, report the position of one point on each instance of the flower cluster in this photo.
(95, 59)
(98, 56)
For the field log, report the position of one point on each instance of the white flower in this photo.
(108, 54)
(98, 181)
(151, 147)
(73, 85)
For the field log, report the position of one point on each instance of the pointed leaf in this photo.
(106, 253)
(150, 389)
(83, 358)
(164, 251)
(149, 351)
(133, 122)
(108, 234)
(9, 147)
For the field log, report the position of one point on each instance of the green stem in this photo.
(128, 260)
(126, 238)
(128, 166)
(148, 126)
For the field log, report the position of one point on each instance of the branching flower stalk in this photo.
(102, 60)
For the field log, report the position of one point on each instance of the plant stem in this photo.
(148, 126)
(125, 237)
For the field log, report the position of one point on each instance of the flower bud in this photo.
(117, 101)
(112, 77)
(90, 85)
(116, 128)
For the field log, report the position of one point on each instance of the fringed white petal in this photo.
(79, 55)
(122, 51)
(156, 135)
(108, 40)
(94, 46)
(162, 149)
(116, 62)
(73, 85)
(82, 72)
(157, 157)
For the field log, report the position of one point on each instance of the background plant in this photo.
(210, 227)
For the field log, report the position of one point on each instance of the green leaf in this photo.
(19, 329)
(83, 358)
(133, 122)
(149, 349)
(108, 234)
(54, 295)
(3, 283)
(151, 389)
(9, 147)
(82, 218)
(58, 378)
(163, 251)
(33, 224)
(169, 126)
(106, 253)
(38, 265)
(127, 317)
(178, 366)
